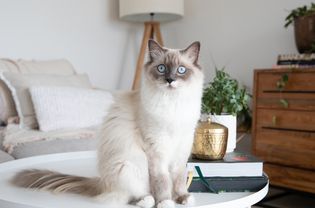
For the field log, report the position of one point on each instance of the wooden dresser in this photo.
(284, 126)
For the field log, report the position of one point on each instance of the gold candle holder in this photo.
(210, 141)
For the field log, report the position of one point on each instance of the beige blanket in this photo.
(13, 135)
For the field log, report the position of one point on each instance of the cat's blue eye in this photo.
(161, 68)
(181, 70)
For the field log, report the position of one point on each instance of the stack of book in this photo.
(236, 172)
(304, 60)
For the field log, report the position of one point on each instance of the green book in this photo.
(228, 184)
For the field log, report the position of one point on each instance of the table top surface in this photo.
(85, 164)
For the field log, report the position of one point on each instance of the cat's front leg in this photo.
(180, 192)
(160, 182)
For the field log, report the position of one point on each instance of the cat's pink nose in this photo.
(169, 80)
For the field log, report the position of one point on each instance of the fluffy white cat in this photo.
(146, 138)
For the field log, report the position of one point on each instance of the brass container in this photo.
(210, 141)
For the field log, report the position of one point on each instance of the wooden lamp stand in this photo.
(151, 30)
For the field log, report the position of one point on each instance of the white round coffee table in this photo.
(84, 164)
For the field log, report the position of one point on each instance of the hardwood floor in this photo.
(282, 198)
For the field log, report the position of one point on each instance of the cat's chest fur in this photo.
(168, 120)
(170, 111)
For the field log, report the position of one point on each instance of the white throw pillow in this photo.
(57, 67)
(20, 83)
(69, 107)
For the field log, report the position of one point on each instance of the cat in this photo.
(146, 138)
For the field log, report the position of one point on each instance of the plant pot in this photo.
(304, 31)
(230, 122)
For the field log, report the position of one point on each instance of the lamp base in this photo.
(151, 30)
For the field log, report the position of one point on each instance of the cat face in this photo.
(170, 68)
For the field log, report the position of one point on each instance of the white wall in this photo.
(240, 35)
(87, 32)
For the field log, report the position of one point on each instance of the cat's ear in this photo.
(155, 50)
(192, 52)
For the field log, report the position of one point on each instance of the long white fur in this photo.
(155, 120)
(145, 140)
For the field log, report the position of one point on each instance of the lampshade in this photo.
(139, 10)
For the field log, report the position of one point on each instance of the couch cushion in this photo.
(69, 107)
(1, 138)
(4, 157)
(7, 106)
(53, 146)
(57, 67)
(20, 83)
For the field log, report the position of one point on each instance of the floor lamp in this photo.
(151, 13)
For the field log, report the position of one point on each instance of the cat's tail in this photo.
(57, 182)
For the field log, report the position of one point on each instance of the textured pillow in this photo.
(7, 107)
(69, 107)
(57, 67)
(20, 83)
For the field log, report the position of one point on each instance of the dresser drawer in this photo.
(286, 147)
(285, 120)
(298, 82)
(298, 179)
(300, 86)
(292, 103)
(284, 135)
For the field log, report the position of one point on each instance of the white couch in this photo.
(8, 110)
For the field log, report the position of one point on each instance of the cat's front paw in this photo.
(186, 199)
(166, 204)
(146, 202)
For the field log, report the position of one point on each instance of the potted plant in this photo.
(303, 19)
(223, 100)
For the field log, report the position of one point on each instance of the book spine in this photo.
(296, 59)
(229, 184)
(296, 62)
(226, 170)
(293, 66)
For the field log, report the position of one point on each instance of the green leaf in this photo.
(284, 102)
(285, 78)
(299, 12)
(280, 84)
(223, 94)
